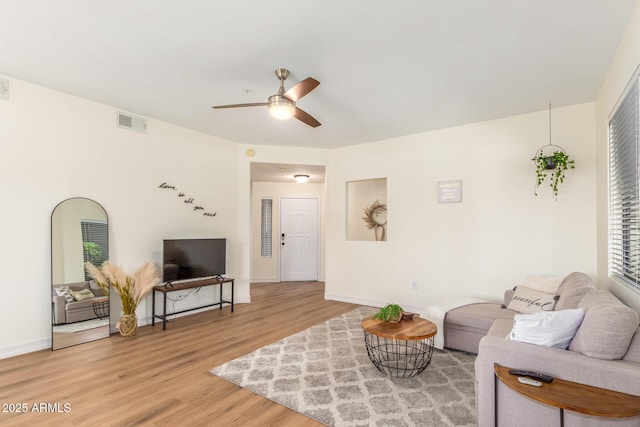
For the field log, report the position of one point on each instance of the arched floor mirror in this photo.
(80, 309)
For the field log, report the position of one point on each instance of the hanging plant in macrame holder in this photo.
(552, 164)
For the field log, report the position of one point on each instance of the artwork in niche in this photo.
(375, 217)
(450, 191)
(190, 201)
(368, 197)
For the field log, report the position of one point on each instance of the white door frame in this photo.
(318, 237)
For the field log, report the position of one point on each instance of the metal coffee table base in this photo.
(399, 358)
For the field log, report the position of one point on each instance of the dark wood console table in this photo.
(562, 394)
(166, 289)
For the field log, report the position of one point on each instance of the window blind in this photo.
(266, 228)
(95, 242)
(624, 197)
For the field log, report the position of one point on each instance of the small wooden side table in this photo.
(402, 349)
(581, 398)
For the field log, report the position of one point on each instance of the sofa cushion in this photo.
(82, 295)
(607, 328)
(97, 290)
(527, 300)
(64, 291)
(633, 353)
(573, 288)
(508, 296)
(477, 316)
(80, 305)
(465, 326)
(547, 328)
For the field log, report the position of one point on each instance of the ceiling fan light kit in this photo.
(281, 108)
(282, 105)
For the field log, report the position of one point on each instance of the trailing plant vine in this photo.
(553, 167)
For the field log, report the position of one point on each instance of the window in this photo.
(266, 228)
(624, 197)
(95, 242)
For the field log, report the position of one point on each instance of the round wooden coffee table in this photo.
(402, 349)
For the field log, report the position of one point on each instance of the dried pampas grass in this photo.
(98, 277)
(131, 289)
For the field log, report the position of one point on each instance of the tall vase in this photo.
(128, 325)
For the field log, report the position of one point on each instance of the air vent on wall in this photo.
(129, 121)
(4, 89)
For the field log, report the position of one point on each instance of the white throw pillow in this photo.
(551, 329)
(527, 300)
(65, 291)
(549, 285)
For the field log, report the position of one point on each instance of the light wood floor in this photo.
(160, 378)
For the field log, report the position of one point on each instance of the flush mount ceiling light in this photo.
(301, 178)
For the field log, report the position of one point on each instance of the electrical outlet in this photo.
(414, 286)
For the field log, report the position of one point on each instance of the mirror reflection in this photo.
(80, 309)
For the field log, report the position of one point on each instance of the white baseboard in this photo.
(265, 280)
(44, 344)
(275, 280)
(370, 303)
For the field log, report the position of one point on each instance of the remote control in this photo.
(532, 374)
(529, 381)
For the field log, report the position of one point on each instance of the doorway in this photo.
(299, 242)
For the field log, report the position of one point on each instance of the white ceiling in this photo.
(387, 68)
(281, 172)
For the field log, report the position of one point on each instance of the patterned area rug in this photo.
(324, 373)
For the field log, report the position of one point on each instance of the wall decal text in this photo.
(188, 200)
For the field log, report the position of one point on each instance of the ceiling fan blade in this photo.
(301, 89)
(253, 104)
(305, 117)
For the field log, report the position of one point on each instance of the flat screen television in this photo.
(185, 259)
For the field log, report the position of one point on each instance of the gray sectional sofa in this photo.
(68, 310)
(465, 326)
(604, 352)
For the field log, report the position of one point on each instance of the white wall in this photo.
(268, 269)
(482, 246)
(626, 61)
(54, 146)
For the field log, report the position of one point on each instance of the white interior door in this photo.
(299, 239)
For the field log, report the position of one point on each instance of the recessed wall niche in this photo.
(367, 210)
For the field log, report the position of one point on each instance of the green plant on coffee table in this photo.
(390, 313)
(552, 166)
